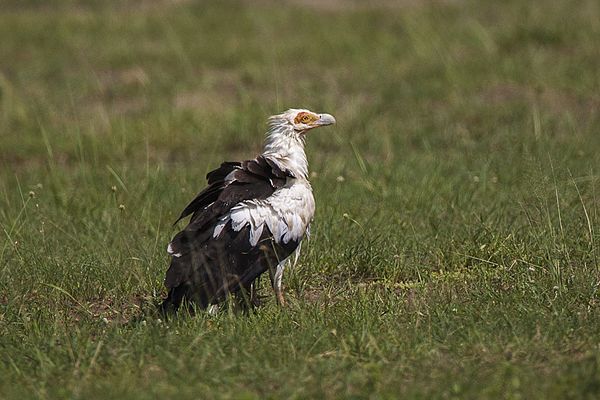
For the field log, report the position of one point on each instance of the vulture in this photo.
(249, 219)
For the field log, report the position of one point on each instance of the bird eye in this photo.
(304, 118)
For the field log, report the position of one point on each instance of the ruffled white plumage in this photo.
(286, 214)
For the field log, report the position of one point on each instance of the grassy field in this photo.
(455, 250)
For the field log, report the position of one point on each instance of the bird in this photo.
(249, 219)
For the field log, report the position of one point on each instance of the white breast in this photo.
(287, 213)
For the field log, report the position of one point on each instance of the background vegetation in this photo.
(454, 253)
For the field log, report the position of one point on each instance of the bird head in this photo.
(286, 134)
(300, 120)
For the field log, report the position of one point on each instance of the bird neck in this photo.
(286, 147)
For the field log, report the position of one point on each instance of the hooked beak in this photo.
(324, 120)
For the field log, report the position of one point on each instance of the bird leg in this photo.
(254, 297)
(247, 297)
(276, 281)
(254, 292)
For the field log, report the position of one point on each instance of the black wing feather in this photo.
(253, 179)
(208, 268)
(222, 266)
(220, 173)
(216, 184)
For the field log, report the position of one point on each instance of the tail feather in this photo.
(206, 270)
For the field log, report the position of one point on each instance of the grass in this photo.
(456, 257)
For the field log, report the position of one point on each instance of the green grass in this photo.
(458, 257)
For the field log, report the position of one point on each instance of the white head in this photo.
(299, 121)
(285, 138)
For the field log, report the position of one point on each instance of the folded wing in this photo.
(206, 267)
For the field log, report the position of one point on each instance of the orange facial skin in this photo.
(305, 118)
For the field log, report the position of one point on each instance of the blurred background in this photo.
(174, 81)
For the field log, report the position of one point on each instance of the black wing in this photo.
(231, 183)
(216, 184)
(206, 268)
(222, 266)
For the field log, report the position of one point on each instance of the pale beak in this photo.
(324, 120)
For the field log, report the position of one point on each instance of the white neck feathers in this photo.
(286, 146)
